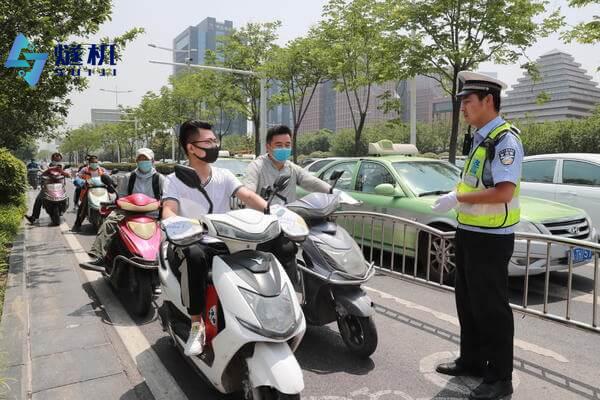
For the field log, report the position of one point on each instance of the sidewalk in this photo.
(55, 341)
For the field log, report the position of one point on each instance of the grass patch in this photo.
(10, 219)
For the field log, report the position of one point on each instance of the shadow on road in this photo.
(552, 377)
(322, 351)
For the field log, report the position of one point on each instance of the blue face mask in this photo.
(282, 154)
(94, 165)
(144, 166)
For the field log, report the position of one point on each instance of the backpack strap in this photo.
(131, 183)
(156, 185)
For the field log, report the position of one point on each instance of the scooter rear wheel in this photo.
(55, 215)
(142, 293)
(358, 333)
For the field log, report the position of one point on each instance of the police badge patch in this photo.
(507, 156)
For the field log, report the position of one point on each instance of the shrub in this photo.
(13, 178)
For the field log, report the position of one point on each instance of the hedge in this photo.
(13, 184)
(13, 178)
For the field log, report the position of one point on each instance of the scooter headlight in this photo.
(98, 191)
(228, 231)
(275, 314)
(144, 230)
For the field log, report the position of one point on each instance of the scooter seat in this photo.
(138, 202)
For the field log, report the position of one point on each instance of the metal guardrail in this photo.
(389, 240)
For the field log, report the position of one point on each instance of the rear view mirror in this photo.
(387, 189)
(188, 176)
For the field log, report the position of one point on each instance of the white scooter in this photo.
(253, 319)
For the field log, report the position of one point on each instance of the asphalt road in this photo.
(417, 328)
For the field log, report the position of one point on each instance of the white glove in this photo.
(445, 203)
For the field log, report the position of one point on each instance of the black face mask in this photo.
(212, 153)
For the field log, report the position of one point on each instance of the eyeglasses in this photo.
(208, 142)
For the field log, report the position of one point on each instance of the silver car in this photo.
(572, 179)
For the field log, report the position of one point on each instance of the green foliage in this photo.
(237, 144)
(360, 52)
(569, 136)
(248, 48)
(452, 36)
(29, 113)
(13, 178)
(122, 167)
(317, 141)
(584, 32)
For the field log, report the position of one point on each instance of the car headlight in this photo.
(228, 231)
(275, 314)
(526, 227)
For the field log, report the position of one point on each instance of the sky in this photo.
(165, 20)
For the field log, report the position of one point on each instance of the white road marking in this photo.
(159, 380)
(454, 321)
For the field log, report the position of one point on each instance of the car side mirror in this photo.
(387, 189)
(335, 175)
(188, 176)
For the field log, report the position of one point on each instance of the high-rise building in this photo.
(192, 44)
(568, 91)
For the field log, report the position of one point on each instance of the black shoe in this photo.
(492, 391)
(30, 219)
(76, 228)
(98, 262)
(454, 369)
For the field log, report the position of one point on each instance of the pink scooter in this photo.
(56, 201)
(131, 262)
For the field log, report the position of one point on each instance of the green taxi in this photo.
(407, 186)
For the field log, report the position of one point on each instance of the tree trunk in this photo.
(358, 134)
(454, 132)
(294, 141)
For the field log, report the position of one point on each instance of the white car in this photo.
(572, 179)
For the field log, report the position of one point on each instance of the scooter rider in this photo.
(261, 176)
(202, 149)
(33, 165)
(57, 166)
(91, 171)
(144, 179)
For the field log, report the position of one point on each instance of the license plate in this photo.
(581, 255)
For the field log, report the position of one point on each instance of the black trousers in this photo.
(37, 206)
(193, 274)
(486, 319)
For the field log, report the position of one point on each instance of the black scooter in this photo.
(332, 269)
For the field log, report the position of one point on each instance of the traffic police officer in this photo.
(487, 203)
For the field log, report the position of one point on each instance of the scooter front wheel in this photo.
(269, 393)
(358, 333)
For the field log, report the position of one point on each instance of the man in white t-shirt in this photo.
(217, 187)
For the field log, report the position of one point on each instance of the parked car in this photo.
(407, 187)
(572, 179)
(317, 164)
(236, 165)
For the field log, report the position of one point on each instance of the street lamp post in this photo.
(116, 92)
(263, 94)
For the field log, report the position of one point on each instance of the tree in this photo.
(27, 112)
(360, 54)
(584, 32)
(457, 35)
(248, 48)
(82, 141)
(298, 68)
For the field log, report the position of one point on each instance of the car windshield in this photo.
(428, 177)
(237, 167)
